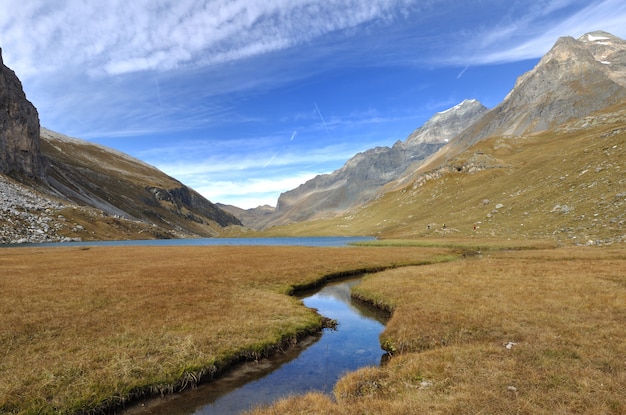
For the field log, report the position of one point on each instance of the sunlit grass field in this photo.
(511, 332)
(88, 328)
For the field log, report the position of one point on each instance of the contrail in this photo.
(322, 118)
(462, 72)
(270, 160)
(293, 135)
(158, 89)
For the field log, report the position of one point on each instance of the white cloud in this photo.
(248, 193)
(118, 36)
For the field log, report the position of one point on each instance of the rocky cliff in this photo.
(19, 130)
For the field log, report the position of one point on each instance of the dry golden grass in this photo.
(84, 328)
(562, 312)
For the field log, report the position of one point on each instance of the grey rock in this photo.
(20, 156)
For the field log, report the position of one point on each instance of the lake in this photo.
(321, 241)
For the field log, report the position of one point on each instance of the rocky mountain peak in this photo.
(445, 125)
(610, 51)
(601, 40)
(571, 80)
(19, 130)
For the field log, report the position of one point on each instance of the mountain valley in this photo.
(547, 162)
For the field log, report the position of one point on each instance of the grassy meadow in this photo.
(91, 328)
(511, 332)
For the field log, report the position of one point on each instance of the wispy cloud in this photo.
(530, 33)
(214, 162)
(117, 36)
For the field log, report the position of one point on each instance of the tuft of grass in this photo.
(85, 329)
(514, 332)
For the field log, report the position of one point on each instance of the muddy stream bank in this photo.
(314, 364)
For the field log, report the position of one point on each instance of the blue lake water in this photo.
(322, 241)
(314, 367)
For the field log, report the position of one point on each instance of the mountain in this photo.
(362, 177)
(547, 162)
(250, 217)
(120, 185)
(574, 79)
(54, 187)
(445, 125)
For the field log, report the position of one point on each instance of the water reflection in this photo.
(317, 367)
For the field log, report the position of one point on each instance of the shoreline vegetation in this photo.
(498, 327)
(94, 329)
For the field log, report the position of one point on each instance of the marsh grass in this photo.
(464, 244)
(533, 332)
(84, 329)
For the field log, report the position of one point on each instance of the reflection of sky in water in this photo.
(353, 345)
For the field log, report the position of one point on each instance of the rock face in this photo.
(19, 130)
(363, 176)
(446, 125)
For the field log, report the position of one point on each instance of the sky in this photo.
(245, 99)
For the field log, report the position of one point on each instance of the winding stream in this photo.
(314, 365)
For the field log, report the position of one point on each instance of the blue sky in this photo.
(245, 99)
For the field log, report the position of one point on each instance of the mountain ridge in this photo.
(568, 82)
(547, 162)
(360, 179)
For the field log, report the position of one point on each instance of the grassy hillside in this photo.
(566, 184)
(124, 187)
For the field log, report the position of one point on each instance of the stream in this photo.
(313, 365)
